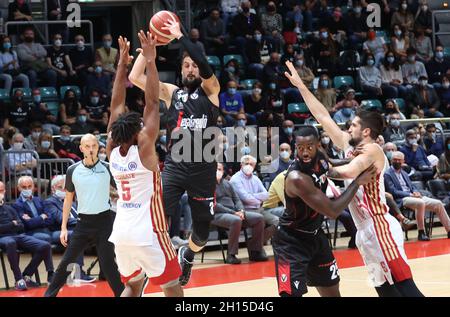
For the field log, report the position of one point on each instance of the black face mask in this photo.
(397, 166)
(246, 9)
(28, 39)
(271, 8)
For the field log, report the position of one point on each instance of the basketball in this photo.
(157, 22)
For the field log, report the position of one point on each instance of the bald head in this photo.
(89, 148)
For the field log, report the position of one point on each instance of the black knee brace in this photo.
(200, 232)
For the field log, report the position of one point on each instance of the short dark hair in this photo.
(429, 126)
(371, 120)
(126, 127)
(411, 51)
(307, 130)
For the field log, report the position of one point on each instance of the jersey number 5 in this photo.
(126, 191)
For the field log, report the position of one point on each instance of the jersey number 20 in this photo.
(126, 191)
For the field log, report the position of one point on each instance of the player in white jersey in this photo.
(379, 237)
(142, 243)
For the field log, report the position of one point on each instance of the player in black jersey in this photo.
(302, 253)
(192, 110)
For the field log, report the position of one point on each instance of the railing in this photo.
(49, 168)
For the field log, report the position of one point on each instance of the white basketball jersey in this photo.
(370, 200)
(137, 205)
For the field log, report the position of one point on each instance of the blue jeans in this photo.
(49, 75)
(277, 211)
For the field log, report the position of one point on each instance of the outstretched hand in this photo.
(124, 48)
(148, 45)
(293, 77)
(173, 27)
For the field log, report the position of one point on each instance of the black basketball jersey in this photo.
(298, 215)
(193, 112)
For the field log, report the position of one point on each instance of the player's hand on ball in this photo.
(173, 27)
(124, 48)
(367, 176)
(293, 77)
(148, 45)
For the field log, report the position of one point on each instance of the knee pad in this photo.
(200, 232)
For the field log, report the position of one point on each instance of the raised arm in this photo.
(339, 137)
(210, 84)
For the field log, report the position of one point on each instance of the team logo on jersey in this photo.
(182, 96)
(179, 105)
(283, 278)
(194, 95)
(296, 284)
(132, 166)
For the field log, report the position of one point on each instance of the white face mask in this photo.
(102, 156)
(2, 199)
(284, 155)
(17, 146)
(219, 175)
(60, 194)
(326, 140)
(247, 170)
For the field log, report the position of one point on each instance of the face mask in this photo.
(418, 137)
(219, 175)
(404, 6)
(446, 85)
(412, 141)
(258, 37)
(257, 91)
(347, 112)
(411, 59)
(37, 98)
(65, 138)
(241, 123)
(424, 83)
(82, 119)
(284, 155)
(448, 146)
(163, 139)
(102, 156)
(357, 10)
(245, 150)
(324, 35)
(324, 83)
(232, 91)
(391, 59)
(397, 166)
(98, 69)
(231, 69)
(7, 45)
(2, 199)
(439, 55)
(271, 8)
(398, 33)
(325, 140)
(57, 43)
(370, 62)
(35, 135)
(26, 193)
(45, 145)
(247, 170)
(300, 62)
(18, 146)
(389, 155)
(288, 130)
(395, 123)
(60, 194)
(246, 9)
(424, 8)
(95, 100)
(371, 35)
(273, 86)
(80, 45)
(107, 44)
(433, 135)
(225, 146)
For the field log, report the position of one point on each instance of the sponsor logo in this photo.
(296, 284)
(131, 205)
(194, 123)
(132, 166)
(179, 105)
(182, 96)
(194, 95)
(283, 278)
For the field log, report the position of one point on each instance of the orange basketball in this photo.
(157, 22)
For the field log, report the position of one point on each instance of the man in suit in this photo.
(399, 184)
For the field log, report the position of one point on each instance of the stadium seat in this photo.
(49, 94)
(53, 107)
(400, 103)
(248, 83)
(4, 95)
(213, 61)
(300, 107)
(26, 93)
(340, 81)
(238, 58)
(63, 90)
(371, 104)
(245, 93)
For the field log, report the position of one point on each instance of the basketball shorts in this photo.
(158, 261)
(380, 241)
(302, 260)
(198, 180)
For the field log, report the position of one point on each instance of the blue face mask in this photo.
(98, 69)
(231, 69)
(258, 37)
(391, 59)
(163, 139)
(7, 45)
(45, 144)
(82, 119)
(439, 55)
(95, 100)
(370, 62)
(65, 138)
(107, 44)
(241, 123)
(245, 150)
(288, 130)
(232, 91)
(347, 112)
(26, 193)
(273, 86)
(37, 98)
(324, 83)
(325, 35)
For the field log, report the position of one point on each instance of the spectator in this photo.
(326, 52)
(413, 69)
(252, 193)
(349, 100)
(107, 56)
(433, 143)
(394, 132)
(194, 36)
(275, 204)
(444, 95)
(19, 10)
(389, 148)
(40, 113)
(416, 157)
(9, 66)
(231, 103)
(56, 11)
(230, 214)
(59, 60)
(406, 195)
(32, 57)
(45, 148)
(212, 33)
(287, 134)
(258, 51)
(12, 238)
(272, 25)
(18, 113)
(423, 46)
(32, 141)
(306, 49)
(30, 209)
(289, 54)
(379, 140)
(102, 153)
(423, 18)
(230, 10)
(305, 73)
(403, 17)
(281, 163)
(424, 96)
(346, 113)
(275, 106)
(438, 67)
(97, 111)
(81, 126)
(325, 93)
(391, 107)
(69, 108)
(370, 78)
(375, 46)
(82, 59)
(64, 145)
(443, 167)
(254, 103)
(391, 77)
(357, 30)
(400, 42)
(337, 26)
(231, 72)
(273, 70)
(98, 80)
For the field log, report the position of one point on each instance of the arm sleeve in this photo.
(197, 56)
(69, 186)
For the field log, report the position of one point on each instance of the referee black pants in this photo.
(90, 229)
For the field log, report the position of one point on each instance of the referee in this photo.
(90, 180)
